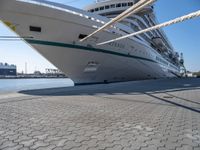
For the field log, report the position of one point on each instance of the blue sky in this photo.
(185, 37)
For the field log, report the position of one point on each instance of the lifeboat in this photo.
(158, 42)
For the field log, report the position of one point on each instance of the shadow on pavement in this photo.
(148, 87)
(134, 87)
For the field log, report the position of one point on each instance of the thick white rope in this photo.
(171, 22)
(134, 9)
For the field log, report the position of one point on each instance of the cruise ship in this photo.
(55, 31)
(7, 70)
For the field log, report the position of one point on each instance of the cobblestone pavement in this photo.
(142, 115)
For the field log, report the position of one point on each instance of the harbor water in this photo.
(14, 85)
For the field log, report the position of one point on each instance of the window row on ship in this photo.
(118, 5)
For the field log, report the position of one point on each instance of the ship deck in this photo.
(140, 115)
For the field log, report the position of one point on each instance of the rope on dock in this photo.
(134, 9)
(171, 22)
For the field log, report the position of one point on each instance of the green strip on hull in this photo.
(48, 43)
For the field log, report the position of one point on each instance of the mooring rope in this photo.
(171, 22)
(14, 38)
(134, 9)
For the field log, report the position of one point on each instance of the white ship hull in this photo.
(85, 62)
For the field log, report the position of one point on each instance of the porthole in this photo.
(130, 4)
(35, 29)
(107, 7)
(124, 4)
(112, 6)
(118, 5)
(101, 8)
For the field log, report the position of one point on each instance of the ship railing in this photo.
(102, 20)
(64, 8)
(74, 11)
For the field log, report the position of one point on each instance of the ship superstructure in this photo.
(142, 20)
(7, 70)
(55, 31)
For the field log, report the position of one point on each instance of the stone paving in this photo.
(141, 115)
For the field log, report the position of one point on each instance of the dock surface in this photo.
(140, 115)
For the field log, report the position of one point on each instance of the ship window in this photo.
(130, 4)
(118, 5)
(124, 4)
(82, 36)
(92, 10)
(35, 29)
(107, 7)
(101, 8)
(112, 6)
(96, 9)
